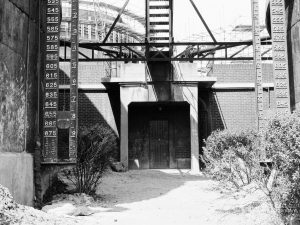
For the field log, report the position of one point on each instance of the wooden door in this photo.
(159, 144)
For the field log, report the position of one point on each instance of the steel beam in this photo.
(239, 51)
(265, 52)
(203, 21)
(114, 50)
(264, 41)
(230, 44)
(85, 56)
(143, 59)
(115, 22)
(138, 53)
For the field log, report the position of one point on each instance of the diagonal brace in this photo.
(203, 21)
(239, 51)
(115, 22)
(130, 49)
(85, 56)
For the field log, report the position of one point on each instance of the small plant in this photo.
(96, 147)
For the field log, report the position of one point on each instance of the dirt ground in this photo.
(170, 197)
(149, 197)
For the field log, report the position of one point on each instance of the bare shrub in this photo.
(96, 147)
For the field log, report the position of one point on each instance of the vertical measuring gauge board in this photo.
(74, 82)
(51, 81)
(280, 61)
(257, 63)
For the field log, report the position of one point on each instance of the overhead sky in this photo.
(218, 14)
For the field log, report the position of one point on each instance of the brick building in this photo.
(162, 111)
(226, 99)
(232, 98)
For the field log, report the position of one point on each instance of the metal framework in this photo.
(115, 22)
(196, 51)
(159, 21)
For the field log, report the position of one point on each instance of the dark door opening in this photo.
(159, 144)
(159, 135)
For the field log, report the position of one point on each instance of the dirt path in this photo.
(148, 197)
(175, 197)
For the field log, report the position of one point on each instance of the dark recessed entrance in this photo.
(159, 135)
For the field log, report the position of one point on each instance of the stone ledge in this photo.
(240, 85)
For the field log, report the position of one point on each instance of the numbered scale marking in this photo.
(280, 62)
(74, 82)
(258, 63)
(51, 81)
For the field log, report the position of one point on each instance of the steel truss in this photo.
(134, 52)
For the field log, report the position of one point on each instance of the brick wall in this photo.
(232, 109)
(236, 108)
(88, 72)
(240, 72)
(95, 107)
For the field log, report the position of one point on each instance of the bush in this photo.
(282, 140)
(233, 156)
(96, 147)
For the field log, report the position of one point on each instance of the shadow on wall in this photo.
(210, 119)
(203, 118)
(210, 115)
(161, 75)
(115, 102)
(217, 118)
(93, 107)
